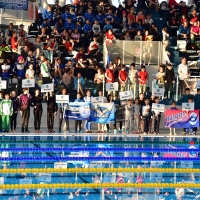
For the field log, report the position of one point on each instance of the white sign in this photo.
(5, 154)
(62, 98)
(187, 106)
(112, 86)
(158, 107)
(25, 181)
(126, 95)
(98, 99)
(45, 177)
(60, 165)
(28, 83)
(198, 84)
(3, 84)
(158, 92)
(1, 180)
(47, 87)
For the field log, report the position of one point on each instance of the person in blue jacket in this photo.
(67, 15)
(69, 25)
(89, 15)
(48, 14)
(100, 18)
(187, 96)
(87, 28)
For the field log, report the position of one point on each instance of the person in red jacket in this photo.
(122, 78)
(14, 42)
(110, 78)
(142, 77)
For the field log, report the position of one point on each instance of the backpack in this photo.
(24, 102)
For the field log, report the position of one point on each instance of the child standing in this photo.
(30, 73)
(6, 111)
(87, 125)
(173, 108)
(129, 111)
(136, 115)
(142, 77)
(145, 113)
(157, 118)
(78, 123)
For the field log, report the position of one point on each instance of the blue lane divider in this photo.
(117, 158)
(103, 149)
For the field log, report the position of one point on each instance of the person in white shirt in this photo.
(160, 77)
(183, 72)
(30, 73)
(133, 75)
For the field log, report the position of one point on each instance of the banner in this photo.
(14, 5)
(181, 119)
(158, 107)
(77, 111)
(28, 83)
(62, 98)
(47, 88)
(120, 114)
(158, 92)
(190, 83)
(103, 113)
(126, 95)
(112, 86)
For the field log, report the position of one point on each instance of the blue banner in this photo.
(77, 111)
(102, 113)
(14, 5)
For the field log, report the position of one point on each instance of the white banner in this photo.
(3, 84)
(28, 83)
(158, 107)
(112, 86)
(25, 181)
(62, 98)
(1, 180)
(47, 87)
(60, 165)
(187, 106)
(158, 92)
(98, 100)
(126, 95)
(45, 177)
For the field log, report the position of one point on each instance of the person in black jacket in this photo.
(13, 118)
(169, 80)
(36, 103)
(52, 108)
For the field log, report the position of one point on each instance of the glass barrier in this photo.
(139, 52)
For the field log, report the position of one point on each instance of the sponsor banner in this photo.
(47, 88)
(28, 83)
(192, 83)
(103, 113)
(62, 98)
(14, 5)
(181, 119)
(98, 100)
(112, 86)
(158, 107)
(158, 92)
(120, 114)
(60, 165)
(126, 95)
(77, 111)
(187, 106)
